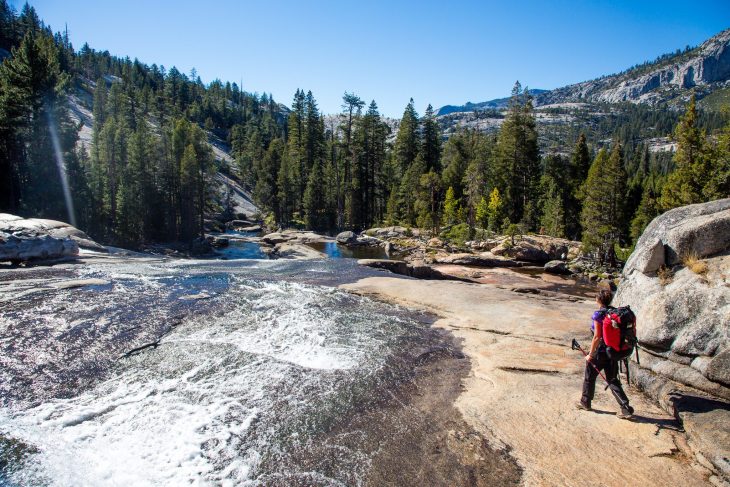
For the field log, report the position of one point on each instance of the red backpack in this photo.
(619, 332)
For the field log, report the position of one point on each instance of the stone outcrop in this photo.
(538, 249)
(484, 259)
(29, 239)
(417, 269)
(683, 317)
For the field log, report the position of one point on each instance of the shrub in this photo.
(457, 234)
(665, 274)
(693, 263)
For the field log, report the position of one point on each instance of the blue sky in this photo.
(436, 52)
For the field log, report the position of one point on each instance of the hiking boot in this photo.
(582, 405)
(626, 412)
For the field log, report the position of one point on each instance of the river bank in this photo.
(525, 380)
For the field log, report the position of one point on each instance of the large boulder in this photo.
(30, 239)
(683, 317)
(699, 230)
(38, 227)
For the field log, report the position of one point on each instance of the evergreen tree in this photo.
(431, 141)
(407, 140)
(518, 158)
(314, 199)
(451, 208)
(495, 210)
(427, 204)
(686, 183)
(648, 209)
(580, 163)
(603, 218)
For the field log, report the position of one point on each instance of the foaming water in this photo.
(237, 392)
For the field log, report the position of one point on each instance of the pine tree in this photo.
(407, 140)
(648, 208)
(314, 199)
(482, 213)
(518, 157)
(495, 210)
(685, 184)
(431, 141)
(427, 204)
(580, 163)
(603, 218)
(553, 212)
(452, 208)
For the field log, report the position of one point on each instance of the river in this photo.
(265, 374)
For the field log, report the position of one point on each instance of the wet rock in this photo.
(252, 228)
(218, 242)
(297, 251)
(275, 238)
(346, 238)
(394, 266)
(557, 267)
(196, 297)
(211, 225)
(485, 259)
(239, 224)
(74, 283)
(200, 246)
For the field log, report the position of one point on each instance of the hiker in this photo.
(598, 359)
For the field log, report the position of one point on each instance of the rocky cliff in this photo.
(670, 79)
(702, 69)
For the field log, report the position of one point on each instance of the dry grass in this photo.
(665, 274)
(693, 263)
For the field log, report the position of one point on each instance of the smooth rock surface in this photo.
(525, 380)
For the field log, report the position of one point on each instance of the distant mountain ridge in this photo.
(670, 79)
(497, 103)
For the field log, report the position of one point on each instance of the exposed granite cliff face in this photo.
(701, 71)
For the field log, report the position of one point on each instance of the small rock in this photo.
(557, 267)
(436, 242)
(346, 238)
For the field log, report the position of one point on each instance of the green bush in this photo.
(457, 234)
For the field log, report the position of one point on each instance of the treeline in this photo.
(147, 172)
(146, 175)
(349, 176)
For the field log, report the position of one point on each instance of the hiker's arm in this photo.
(597, 335)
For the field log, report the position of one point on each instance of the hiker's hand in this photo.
(588, 358)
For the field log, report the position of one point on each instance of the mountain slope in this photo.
(670, 79)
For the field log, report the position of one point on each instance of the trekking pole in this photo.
(576, 346)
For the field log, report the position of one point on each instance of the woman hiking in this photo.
(598, 359)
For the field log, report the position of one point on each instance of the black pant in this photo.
(610, 368)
